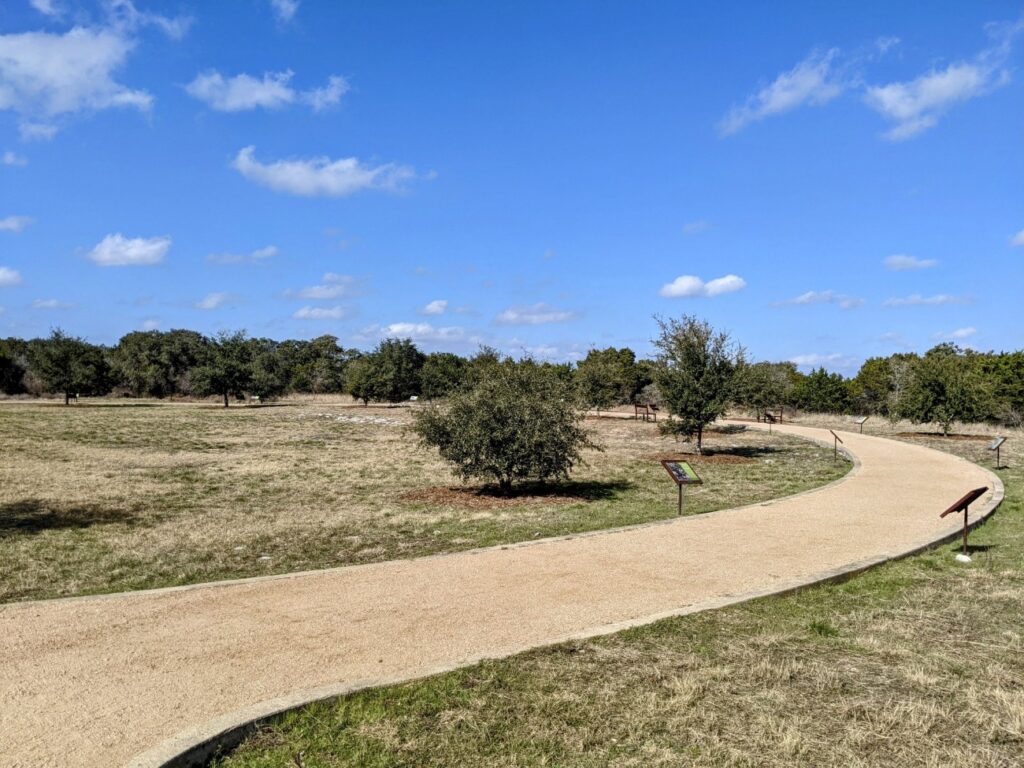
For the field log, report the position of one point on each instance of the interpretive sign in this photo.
(859, 421)
(962, 506)
(683, 474)
(835, 446)
(995, 447)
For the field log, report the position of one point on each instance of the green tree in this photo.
(269, 374)
(764, 386)
(13, 365)
(69, 365)
(157, 364)
(516, 424)
(944, 389)
(442, 374)
(873, 386)
(696, 374)
(394, 374)
(607, 377)
(228, 370)
(823, 392)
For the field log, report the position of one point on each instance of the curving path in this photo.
(138, 677)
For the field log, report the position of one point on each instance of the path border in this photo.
(195, 747)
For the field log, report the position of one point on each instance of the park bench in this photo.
(648, 412)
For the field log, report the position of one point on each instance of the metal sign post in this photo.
(683, 474)
(835, 447)
(860, 420)
(962, 506)
(995, 447)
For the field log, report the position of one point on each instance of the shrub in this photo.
(517, 423)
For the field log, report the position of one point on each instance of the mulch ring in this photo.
(940, 436)
(701, 458)
(476, 497)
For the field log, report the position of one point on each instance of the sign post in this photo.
(835, 447)
(860, 420)
(683, 474)
(962, 506)
(995, 447)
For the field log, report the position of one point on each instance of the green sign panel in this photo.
(681, 472)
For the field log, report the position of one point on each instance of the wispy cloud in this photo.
(285, 10)
(435, 307)
(244, 92)
(322, 176)
(332, 286)
(322, 313)
(834, 360)
(917, 300)
(9, 277)
(813, 82)
(960, 334)
(12, 158)
(213, 301)
(690, 286)
(253, 257)
(119, 251)
(47, 7)
(1018, 239)
(696, 227)
(50, 304)
(901, 262)
(534, 314)
(823, 297)
(14, 223)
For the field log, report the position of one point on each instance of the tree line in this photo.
(945, 385)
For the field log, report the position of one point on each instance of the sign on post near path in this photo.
(683, 474)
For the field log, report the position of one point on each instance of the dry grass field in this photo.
(114, 495)
(918, 663)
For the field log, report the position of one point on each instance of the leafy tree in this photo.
(359, 379)
(69, 365)
(943, 388)
(823, 392)
(607, 377)
(394, 372)
(764, 386)
(156, 364)
(442, 374)
(229, 369)
(13, 365)
(696, 374)
(873, 386)
(269, 375)
(518, 423)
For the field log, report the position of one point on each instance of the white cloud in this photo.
(49, 304)
(917, 300)
(30, 131)
(9, 277)
(15, 223)
(959, 334)
(151, 324)
(436, 307)
(535, 314)
(813, 81)
(835, 360)
(901, 262)
(1018, 239)
(44, 75)
(332, 286)
(322, 313)
(824, 297)
(690, 286)
(321, 176)
(284, 9)
(47, 7)
(10, 158)
(253, 257)
(696, 227)
(213, 301)
(274, 91)
(423, 332)
(119, 251)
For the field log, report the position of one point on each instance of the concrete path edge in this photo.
(196, 746)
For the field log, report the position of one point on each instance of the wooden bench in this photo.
(648, 412)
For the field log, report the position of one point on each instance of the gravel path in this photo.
(131, 678)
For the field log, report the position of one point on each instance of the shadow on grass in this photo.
(744, 451)
(971, 548)
(589, 490)
(35, 516)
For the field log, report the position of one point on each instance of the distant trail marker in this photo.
(860, 421)
(995, 447)
(683, 474)
(835, 446)
(962, 506)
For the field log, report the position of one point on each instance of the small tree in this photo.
(943, 389)
(391, 373)
(517, 424)
(696, 373)
(823, 392)
(228, 370)
(69, 365)
(442, 374)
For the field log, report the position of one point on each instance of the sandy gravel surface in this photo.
(100, 681)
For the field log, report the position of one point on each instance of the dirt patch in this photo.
(475, 497)
(940, 436)
(701, 458)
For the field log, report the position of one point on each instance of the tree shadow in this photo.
(585, 490)
(744, 451)
(32, 516)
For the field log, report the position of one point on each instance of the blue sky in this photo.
(828, 181)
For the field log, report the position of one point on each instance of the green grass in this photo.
(916, 663)
(107, 496)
